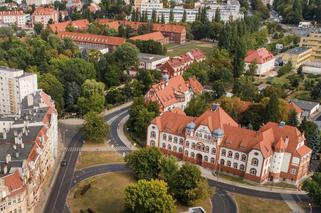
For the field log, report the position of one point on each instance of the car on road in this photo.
(63, 163)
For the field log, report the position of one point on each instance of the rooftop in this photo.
(145, 57)
(155, 36)
(298, 50)
(305, 105)
(259, 56)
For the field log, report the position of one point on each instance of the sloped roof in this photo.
(81, 24)
(259, 56)
(14, 183)
(155, 36)
(44, 11)
(195, 85)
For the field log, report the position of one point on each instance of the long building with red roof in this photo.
(263, 59)
(92, 41)
(174, 92)
(81, 24)
(276, 152)
(154, 36)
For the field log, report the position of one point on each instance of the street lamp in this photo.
(310, 205)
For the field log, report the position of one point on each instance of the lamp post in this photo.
(310, 205)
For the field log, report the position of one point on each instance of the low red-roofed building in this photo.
(175, 33)
(276, 152)
(174, 92)
(44, 14)
(92, 41)
(263, 59)
(154, 36)
(80, 25)
(177, 65)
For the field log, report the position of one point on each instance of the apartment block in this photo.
(298, 56)
(14, 17)
(313, 40)
(14, 86)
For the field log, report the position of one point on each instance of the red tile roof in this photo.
(11, 13)
(155, 36)
(44, 11)
(92, 38)
(196, 54)
(195, 85)
(293, 106)
(14, 183)
(259, 56)
(61, 27)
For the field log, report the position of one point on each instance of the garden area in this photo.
(179, 49)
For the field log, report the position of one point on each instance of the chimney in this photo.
(214, 107)
(14, 147)
(17, 155)
(5, 169)
(286, 141)
(282, 124)
(22, 145)
(4, 134)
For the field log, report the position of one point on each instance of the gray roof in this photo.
(305, 105)
(297, 50)
(8, 69)
(150, 57)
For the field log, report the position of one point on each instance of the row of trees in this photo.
(160, 181)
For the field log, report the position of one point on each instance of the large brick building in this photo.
(276, 152)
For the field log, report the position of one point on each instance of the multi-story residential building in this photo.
(151, 61)
(298, 56)
(154, 36)
(44, 14)
(177, 65)
(276, 152)
(264, 60)
(174, 92)
(28, 144)
(74, 5)
(39, 2)
(313, 41)
(14, 17)
(92, 41)
(175, 33)
(14, 86)
(229, 10)
(80, 25)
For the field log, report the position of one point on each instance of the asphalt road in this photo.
(58, 195)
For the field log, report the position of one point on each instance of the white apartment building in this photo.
(28, 144)
(39, 2)
(230, 10)
(13, 18)
(14, 86)
(44, 14)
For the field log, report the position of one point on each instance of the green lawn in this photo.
(106, 194)
(249, 204)
(179, 49)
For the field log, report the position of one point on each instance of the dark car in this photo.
(63, 163)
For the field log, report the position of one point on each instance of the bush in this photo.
(85, 189)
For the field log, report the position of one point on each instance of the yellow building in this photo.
(298, 56)
(313, 41)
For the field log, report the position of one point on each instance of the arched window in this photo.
(200, 135)
(222, 162)
(235, 165)
(170, 138)
(174, 148)
(181, 141)
(193, 145)
(175, 140)
(242, 167)
(153, 134)
(253, 171)
(229, 154)
(205, 158)
(152, 143)
(207, 149)
(213, 150)
(223, 152)
(254, 161)
(212, 160)
(228, 163)
(243, 158)
(180, 149)
(164, 137)
(169, 147)
(187, 144)
(164, 145)
(236, 156)
(186, 152)
(192, 154)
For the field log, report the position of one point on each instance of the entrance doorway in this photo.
(199, 159)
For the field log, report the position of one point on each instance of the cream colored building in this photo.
(298, 56)
(313, 41)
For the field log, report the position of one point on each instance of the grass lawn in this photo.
(91, 158)
(176, 50)
(106, 194)
(259, 204)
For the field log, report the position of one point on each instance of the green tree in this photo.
(217, 15)
(218, 89)
(145, 162)
(38, 27)
(149, 196)
(293, 120)
(313, 187)
(272, 109)
(154, 16)
(189, 186)
(316, 91)
(197, 105)
(171, 16)
(52, 86)
(184, 17)
(312, 135)
(168, 169)
(245, 89)
(126, 55)
(163, 19)
(95, 128)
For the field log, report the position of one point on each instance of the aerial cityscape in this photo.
(181, 106)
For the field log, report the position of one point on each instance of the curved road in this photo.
(67, 178)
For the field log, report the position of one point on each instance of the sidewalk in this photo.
(208, 174)
(121, 134)
(108, 111)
